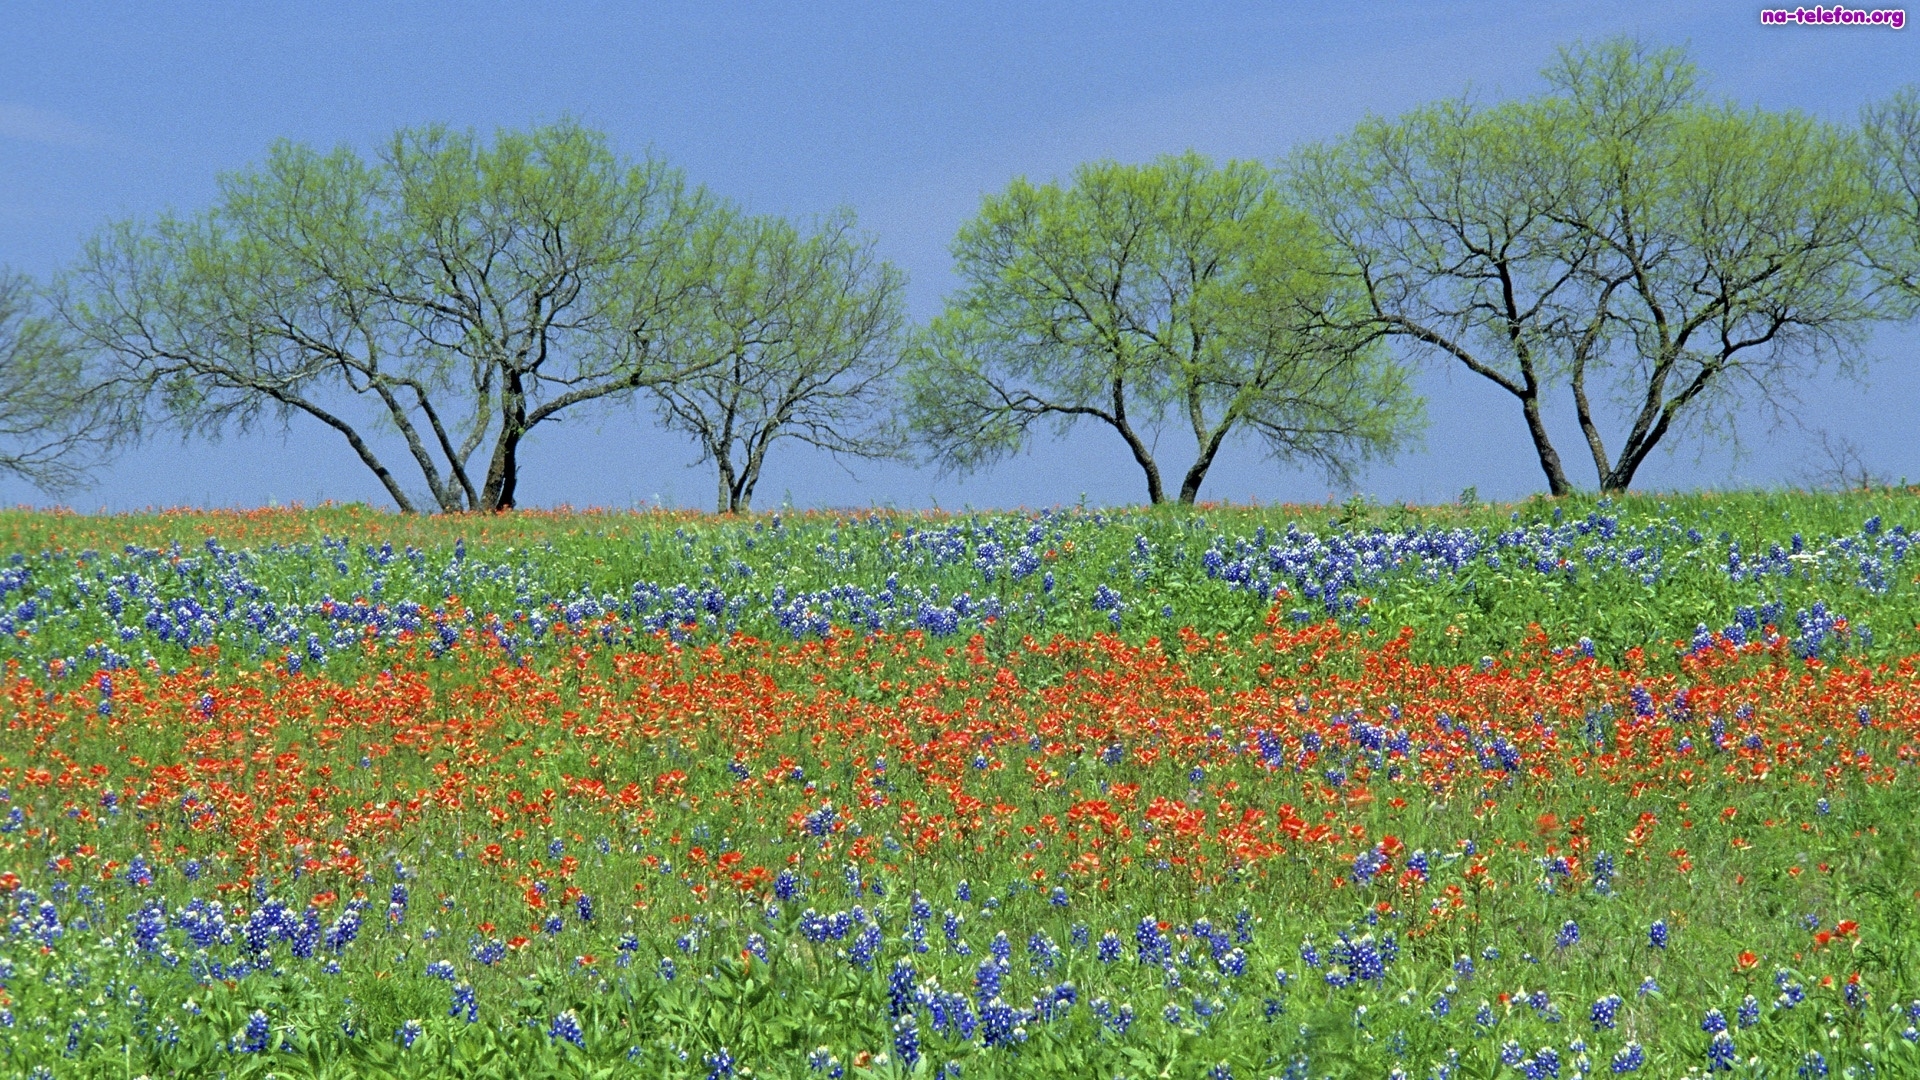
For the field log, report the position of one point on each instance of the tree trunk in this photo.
(1197, 473)
(1155, 493)
(1615, 482)
(503, 472)
(1549, 457)
(728, 503)
(750, 472)
(360, 447)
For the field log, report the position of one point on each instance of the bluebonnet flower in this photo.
(409, 1033)
(1720, 1052)
(1150, 945)
(865, 947)
(464, 1002)
(257, 1035)
(149, 925)
(1234, 963)
(900, 988)
(786, 886)
(344, 930)
(986, 979)
(1629, 1058)
(1366, 865)
(1657, 934)
(1605, 1011)
(906, 1041)
(566, 1028)
(999, 1024)
(719, 1064)
(1569, 935)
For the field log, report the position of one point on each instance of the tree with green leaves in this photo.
(52, 429)
(1892, 132)
(1616, 239)
(453, 293)
(1141, 295)
(795, 337)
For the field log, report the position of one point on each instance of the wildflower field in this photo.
(1556, 789)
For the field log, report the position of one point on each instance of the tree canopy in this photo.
(1892, 132)
(794, 336)
(52, 427)
(1618, 239)
(1619, 249)
(1173, 292)
(455, 292)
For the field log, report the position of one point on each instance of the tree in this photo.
(453, 293)
(1616, 235)
(52, 431)
(794, 336)
(1734, 235)
(1447, 217)
(1892, 132)
(1141, 294)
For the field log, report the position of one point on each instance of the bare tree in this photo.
(1839, 463)
(795, 337)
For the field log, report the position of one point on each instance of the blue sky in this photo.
(905, 112)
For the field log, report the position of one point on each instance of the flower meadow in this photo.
(1557, 789)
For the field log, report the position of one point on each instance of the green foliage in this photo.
(793, 336)
(455, 292)
(1618, 240)
(1177, 292)
(52, 429)
(137, 1013)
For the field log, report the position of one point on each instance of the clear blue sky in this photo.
(905, 112)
